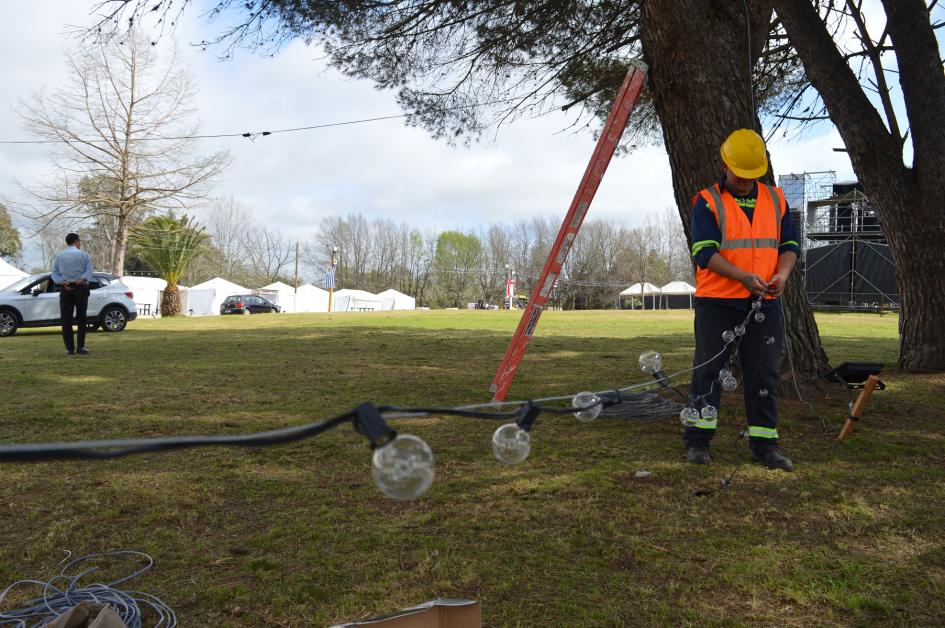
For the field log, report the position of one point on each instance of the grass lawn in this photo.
(297, 535)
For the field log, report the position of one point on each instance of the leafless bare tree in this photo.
(228, 221)
(123, 129)
(268, 253)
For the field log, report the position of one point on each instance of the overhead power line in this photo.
(252, 135)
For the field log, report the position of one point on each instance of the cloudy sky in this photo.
(381, 169)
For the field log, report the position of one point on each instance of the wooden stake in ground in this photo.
(858, 407)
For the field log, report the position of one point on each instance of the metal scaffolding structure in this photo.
(846, 261)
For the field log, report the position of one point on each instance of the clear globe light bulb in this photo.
(728, 335)
(403, 469)
(650, 362)
(729, 383)
(710, 413)
(759, 317)
(689, 416)
(762, 392)
(511, 444)
(739, 330)
(769, 340)
(583, 400)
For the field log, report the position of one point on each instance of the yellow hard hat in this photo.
(744, 153)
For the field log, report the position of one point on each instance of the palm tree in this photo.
(168, 245)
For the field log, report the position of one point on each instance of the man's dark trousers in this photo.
(77, 301)
(759, 356)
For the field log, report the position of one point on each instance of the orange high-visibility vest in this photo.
(751, 246)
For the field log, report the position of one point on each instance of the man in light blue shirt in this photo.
(72, 272)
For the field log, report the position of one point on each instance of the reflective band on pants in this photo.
(762, 432)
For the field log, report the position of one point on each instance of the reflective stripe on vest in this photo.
(720, 208)
(748, 243)
(776, 203)
(751, 245)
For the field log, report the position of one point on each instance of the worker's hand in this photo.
(776, 285)
(754, 283)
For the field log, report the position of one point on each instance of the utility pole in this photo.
(331, 274)
(509, 286)
(296, 267)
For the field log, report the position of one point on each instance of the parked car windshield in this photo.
(22, 283)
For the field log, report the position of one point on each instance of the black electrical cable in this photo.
(103, 449)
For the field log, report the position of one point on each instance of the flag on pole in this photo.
(330, 278)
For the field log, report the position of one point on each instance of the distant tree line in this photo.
(441, 269)
(453, 268)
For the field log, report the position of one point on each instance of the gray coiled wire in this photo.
(63, 592)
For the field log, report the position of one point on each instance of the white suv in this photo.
(34, 302)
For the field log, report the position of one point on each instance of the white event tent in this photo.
(396, 300)
(205, 298)
(646, 292)
(9, 274)
(307, 298)
(348, 300)
(147, 291)
(676, 295)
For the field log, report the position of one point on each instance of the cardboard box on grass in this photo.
(439, 613)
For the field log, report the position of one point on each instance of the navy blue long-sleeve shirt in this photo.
(707, 237)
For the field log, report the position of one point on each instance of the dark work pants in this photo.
(76, 300)
(759, 362)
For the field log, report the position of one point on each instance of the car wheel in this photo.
(8, 323)
(114, 319)
(246, 311)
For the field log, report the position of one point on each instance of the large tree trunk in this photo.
(170, 300)
(121, 244)
(907, 201)
(697, 53)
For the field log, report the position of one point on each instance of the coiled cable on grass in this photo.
(63, 591)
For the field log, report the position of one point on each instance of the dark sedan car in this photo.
(247, 304)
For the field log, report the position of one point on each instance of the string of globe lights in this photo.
(402, 465)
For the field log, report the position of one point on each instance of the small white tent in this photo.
(205, 298)
(676, 295)
(646, 292)
(311, 298)
(348, 300)
(307, 298)
(280, 293)
(147, 291)
(396, 300)
(9, 274)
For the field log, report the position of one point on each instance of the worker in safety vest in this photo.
(744, 245)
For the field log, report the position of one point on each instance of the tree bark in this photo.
(907, 200)
(121, 245)
(697, 51)
(170, 300)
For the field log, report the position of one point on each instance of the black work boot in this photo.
(697, 454)
(774, 459)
